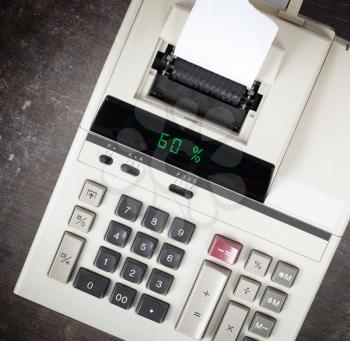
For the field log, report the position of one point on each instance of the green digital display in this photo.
(175, 145)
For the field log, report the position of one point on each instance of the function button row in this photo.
(66, 257)
(92, 193)
(122, 295)
(82, 219)
(225, 249)
(228, 250)
(155, 219)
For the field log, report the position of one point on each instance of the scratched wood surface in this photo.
(51, 53)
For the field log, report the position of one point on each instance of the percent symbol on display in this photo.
(196, 157)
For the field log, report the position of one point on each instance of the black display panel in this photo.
(183, 148)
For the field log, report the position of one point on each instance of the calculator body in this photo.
(144, 250)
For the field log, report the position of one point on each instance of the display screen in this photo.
(183, 148)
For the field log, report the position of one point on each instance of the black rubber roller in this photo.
(207, 82)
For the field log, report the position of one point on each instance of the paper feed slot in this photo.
(202, 92)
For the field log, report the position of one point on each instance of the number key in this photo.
(181, 230)
(170, 256)
(133, 270)
(123, 296)
(160, 281)
(155, 219)
(107, 260)
(144, 245)
(117, 234)
(128, 208)
(91, 283)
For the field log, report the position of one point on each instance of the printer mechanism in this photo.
(202, 92)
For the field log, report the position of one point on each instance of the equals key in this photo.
(203, 299)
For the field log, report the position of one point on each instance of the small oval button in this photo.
(107, 160)
(130, 170)
(181, 191)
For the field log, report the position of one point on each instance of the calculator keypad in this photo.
(207, 288)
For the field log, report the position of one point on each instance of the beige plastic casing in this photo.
(310, 92)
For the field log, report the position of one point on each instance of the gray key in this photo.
(262, 325)
(82, 219)
(232, 322)
(273, 299)
(92, 193)
(66, 257)
(285, 274)
(258, 263)
(204, 296)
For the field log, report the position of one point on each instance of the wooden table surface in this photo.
(51, 53)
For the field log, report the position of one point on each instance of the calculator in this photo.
(165, 225)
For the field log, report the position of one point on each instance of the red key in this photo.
(225, 249)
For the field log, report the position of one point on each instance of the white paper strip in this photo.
(228, 37)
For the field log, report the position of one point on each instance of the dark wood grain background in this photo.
(51, 53)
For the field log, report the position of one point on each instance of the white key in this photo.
(66, 257)
(258, 263)
(232, 322)
(92, 193)
(82, 219)
(202, 301)
(247, 289)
